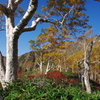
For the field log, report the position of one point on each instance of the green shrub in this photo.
(42, 88)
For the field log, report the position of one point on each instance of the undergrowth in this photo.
(53, 86)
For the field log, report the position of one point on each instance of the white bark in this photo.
(86, 65)
(86, 78)
(41, 66)
(11, 58)
(59, 67)
(47, 69)
(2, 70)
(12, 34)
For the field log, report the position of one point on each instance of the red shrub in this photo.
(55, 75)
(0, 85)
(19, 74)
(72, 81)
(30, 76)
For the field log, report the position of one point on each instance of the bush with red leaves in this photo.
(19, 74)
(55, 75)
(72, 81)
(30, 76)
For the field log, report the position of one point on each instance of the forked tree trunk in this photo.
(48, 67)
(8, 74)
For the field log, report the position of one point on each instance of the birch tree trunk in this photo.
(86, 65)
(41, 67)
(2, 70)
(8, 74)
(11, 57)
(86, 78)
(47, 69)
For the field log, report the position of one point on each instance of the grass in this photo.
(53, 86)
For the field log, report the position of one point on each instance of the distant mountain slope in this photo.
(78, 45)
(26, 61)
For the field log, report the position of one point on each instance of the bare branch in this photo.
(64, 17)
(97, 62)
(17, 2)
(27, 16)
(3, 9)
(34, 24)
(10, 3)
(58, 11)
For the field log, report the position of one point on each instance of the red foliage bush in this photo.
(55, 75)
(30, 76)
(72, 81)
(0, 85)
(59, 76)
(19, 74)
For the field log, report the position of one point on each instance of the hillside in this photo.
(26, 61)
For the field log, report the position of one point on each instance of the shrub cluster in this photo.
(52, 86)
(44, 89)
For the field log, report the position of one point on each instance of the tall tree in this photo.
(69, 12)
(66, 15)
(36, 46)
(12, 34)
(87, 48)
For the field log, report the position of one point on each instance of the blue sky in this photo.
(93, 11)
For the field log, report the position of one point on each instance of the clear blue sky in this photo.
(93, 11)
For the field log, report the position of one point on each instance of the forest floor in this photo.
(54, 85)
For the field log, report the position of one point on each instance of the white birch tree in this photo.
(13, 31)
(87, 48)
(12, 34)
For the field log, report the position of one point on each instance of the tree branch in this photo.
(33, 26)
(27, 16)
(17, 2)
(35, 22)
(3, 9)
(64, 17)
(10, 3)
